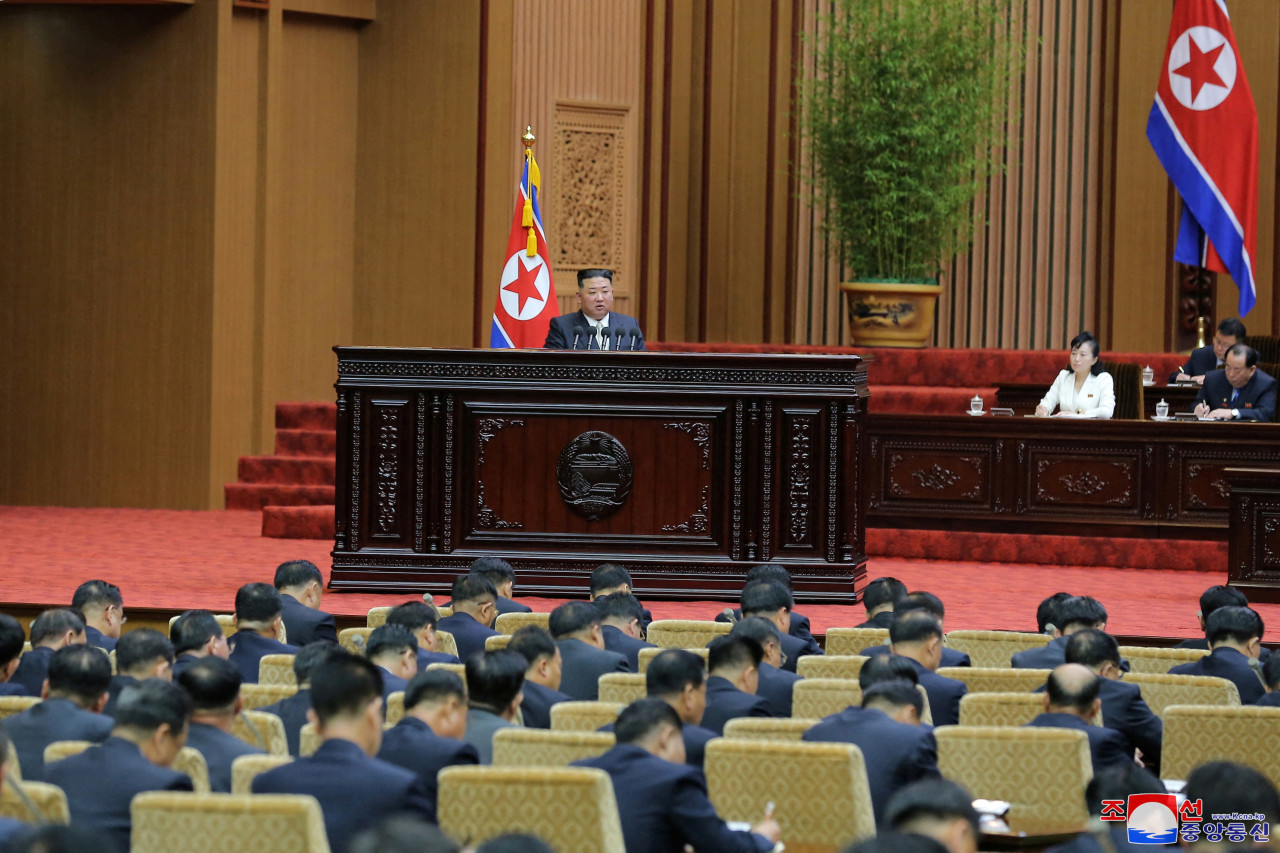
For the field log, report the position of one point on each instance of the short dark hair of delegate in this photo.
(96, 592)
(142, 647)
(1221, 595)
(914, 626)
(494, 679)
(212, 683)
(1062, 694)
(1080, 611)
(882, 591)
(930, 800)
(643, 719)
(769, 572)
(192, 630)
(571, 617)
(515, 843)
(473, 589)
(150, 704)
(414, 615)
(1117, 783)
(608, 576)
(672, 670)
(733, 654)
(390, 639)
(434, 685)
(257, 603)
(311, 656)
(1087, 339)
(80, 672)
(1271, 673)
(893, 694)
(594, 272)
(1092, 648)
(11, 638)
(402, 834)
(758, 629)
(531, 643)
(921, 601)
(343, 686)
(879, 668)
(1233, 327)
(1047, 611)
(1233, 624)
(55, 623)
(1224, 787)
(496, 569)
(297, 573)
(620, 605)
(1250, 354)
(765, 597)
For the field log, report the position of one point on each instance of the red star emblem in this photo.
(525, 285)
(1199, 68)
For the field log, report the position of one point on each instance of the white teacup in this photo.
(975, 406)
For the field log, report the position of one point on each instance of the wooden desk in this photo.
(1254, 556)
(1023, 397)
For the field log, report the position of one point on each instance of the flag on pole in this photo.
(1204, 129)
(527, 295)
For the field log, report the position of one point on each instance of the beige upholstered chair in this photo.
(26, 647)
(233, 823)
(647, 655)
(994, 648)
(61, 749)
(583, 716)
(263, 730)
(497, 642)
(685, 633)
(520, 747)
(277, 669)
(1195, 734)
(49, 800)
(458, 669)
(1160, 661)
(815, 698)
(446, 644)
(444, 611)
(997, 680)
(246, 767)
(255, 696)
(623, 687)
(820, 789)
(395, 708)
(377, 617)
(1161, 691)
(851, 641)
(227, 621)
(354, 639)
(1013, 764)
(830, 666)
(111, 657)
(768, 728)
(1000, 709)
(11, 705)
(571, 808)
(509, 623)
(308, 740)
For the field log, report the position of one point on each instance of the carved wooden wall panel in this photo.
(1254, 551)
(1067, 478)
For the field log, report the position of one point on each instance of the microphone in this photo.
(604, 338)
(617, 338)
(577, 333)
(635, 335)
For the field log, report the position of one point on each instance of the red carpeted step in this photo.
(307, 416)
(306, 442)
(297, 522)
(258, 495)
(286, 470)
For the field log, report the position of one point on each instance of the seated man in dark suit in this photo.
(879, 598)
(541, 678)
(1235, 638)
(1123, 708)
(74, 696)
(896, 748)
(662, 801)
(1073, 614)
(575, 625)
(916, 635)
(420, 620)
(214, 688)
(595, 325)
(101, 782)
(474, 609)
(293, 710)
(620, 619)
(258, 624)
(141, 654)
(196, 634)
(771, 600)
(430, 735)
(608, 578)
(938, 809)
(1218, 595)
(679, 678)
(102, 607)
(503, 577)
(1239, 391)
(394, 651)
(930, 602)
(799, 626)
(495, 681)
(733, 666)
(12, 638)
(1271, 680)
(301, 588)
(51, 630)
(354, 789)
(774, 684)
(1208, 358)
(1071, 701)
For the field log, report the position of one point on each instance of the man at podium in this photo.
(595, 325)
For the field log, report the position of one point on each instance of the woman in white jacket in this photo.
(1084, 390)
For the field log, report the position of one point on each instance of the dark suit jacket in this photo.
(302, 625)
(880, 620)
(1125, 711)
(49, 721)
(1269, 700)
(1201, 361)
(412, 745)
(354, 790)
(664, 806)
(181, 662)
(33, 669)
(1107, 748)
(565, 327)
(1222, 662)
(537, 702)
(100, 783)
(426, 658)
(1256, 400)
(950, 657)
(896, 754)
(506, 605)
(391, 683)
(726, 702)
(8, 688)
(219, 750)
(467, 633)
(292, 711)
(94, 637)
(117, 685)
(799, 628)
(620, 643)
(583, 666)
(944, 695)
(1044, 657)
(11, 829)
(249, 647)
(1203, 643)
(776, 686)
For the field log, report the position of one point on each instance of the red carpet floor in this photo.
(175, 559)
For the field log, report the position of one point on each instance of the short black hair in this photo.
(1225, 787)
(1221, 595)
(672, 670)
(881, 668)
(311, 656)
(1047, 611)
(594, 272)
(757, 628)
(1233, 327)
(96, 592)
(882, 591)
(55, 623)
(1062, 696)
(1117, 783)
(914, 626)
(142, 647)
(434, 685)
(608, 576)
(936, 799)
(83, 672)
(390, 639)
(515, 842)
(897, 693)
(1092, 648)
(1271, 672)
(620, 605)
(765, 597)
(897, 842)
(643, 718)
(344, 685)
(921, 601)
(727, 652)
(11, 638)
(572, 617)
(1237, 624)
(414, 615)
(403, 834)
(212, 683)
(473, 589)
(1087, 339)
(297, 573)
(151, 703)
(257, 603)
(1250, 354)
(1080, 611)
(769, 572)
(532, 642)
(192, 630)
(496, 569)
(494, 679)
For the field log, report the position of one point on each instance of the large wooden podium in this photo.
(686, 468)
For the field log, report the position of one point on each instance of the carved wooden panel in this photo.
(1202, 488)
(591, 162)
(797, 527)
(922, 473)
(1254, 552)
(1083, 480)
(389, 444)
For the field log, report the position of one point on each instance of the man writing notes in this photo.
(1238, 392)
(1211, 356)
(595, 325)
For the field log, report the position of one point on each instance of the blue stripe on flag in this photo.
(498, 337)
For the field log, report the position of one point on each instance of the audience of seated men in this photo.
(420, 620)
(430, 735)
(1271, 682)
(101, 782)
(74, 696)
(1072, 701)
(1123, 708)
(474, 610)
(1109, 785)
(1071, 614)
(879, 597)
(930, 602)
(662, 801)
(141, 654)
(213, 686)
(102, 607)
(51, 630)
(301, 588)
(733, 675)
(1225, 787)
(12, 638)
(293, 710)
(1219, 595)
(799, 626)
(494, 692)
(886, 728)
(541, 677)
(771, 600)
(938, 809)
(258, 624)
(1235, 640)
(9, 828)
(774, 684)
(575, 625)
(621, 617)
(608, 578)
(499, 573)
(394, 651)
(196, 634)
(917, 636)
(679, 678)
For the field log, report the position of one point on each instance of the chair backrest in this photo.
(308, 740)
(1040, 772)
(570, 808)
(981, 679)
(522, 747)
(583, 716)
(164, 821)
(768, 728)
(11, 705)
(815, 698)
(1000, 709)
(1159, 661)
(994, 648)
(624, 687)
(509, 623)
(830, 666)
(354, 639)
(851, 641)
(1161, 691)
(820, 790)
(227, 621)
(446, 644)
(191, 762)
(263, 730)
(255, 696)
(1268, 347)
(647, 655)
(685, 633)
(111, 658)
(1127, 380)
(458, 669)
(48, 799)
(497, 642)
(277, 669)
(61, 749)
(377, 617)
(395, 708)
(1195, 734)
(246, 767)
(444, 611)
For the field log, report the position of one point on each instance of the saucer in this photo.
(977, 414)
(1165, 418)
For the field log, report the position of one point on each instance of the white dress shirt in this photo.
(602, 341)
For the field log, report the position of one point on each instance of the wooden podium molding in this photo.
(686, 468)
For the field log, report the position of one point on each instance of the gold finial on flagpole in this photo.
(1201, 322)
(528, 138)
